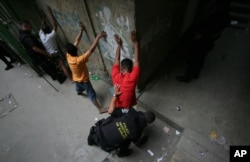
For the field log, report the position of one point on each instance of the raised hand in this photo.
(118, 39)
(82, 25)
(117, 91)
(102, 34)
(133, 36)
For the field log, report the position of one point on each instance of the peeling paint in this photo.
(108, 47)
(70, 23)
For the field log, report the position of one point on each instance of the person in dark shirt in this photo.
(203, 35)
(115, 133)
(37, 52)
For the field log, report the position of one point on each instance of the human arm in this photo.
(112, 102)
(54, 25)
(138, 138)
(31, 43)
(79, 35)
(41, 51)
(136, 48)
(43, 21)
(94, 44)
(140, 141)
(118, 49)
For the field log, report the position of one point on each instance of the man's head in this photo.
(46, 29)
(25, 25)
(126, 65)
(71, 49)
(149, 116)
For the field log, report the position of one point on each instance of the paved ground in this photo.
(214, 109)
(195, 122)
(49, 122)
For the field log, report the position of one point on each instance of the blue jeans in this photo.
(82, 86)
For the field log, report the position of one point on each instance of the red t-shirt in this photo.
(127, 83)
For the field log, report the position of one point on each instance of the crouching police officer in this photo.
(117, 133)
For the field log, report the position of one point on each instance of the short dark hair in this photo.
(127, 64)
(25, 24)
(71, 49)
(46, 29)
(149, 116)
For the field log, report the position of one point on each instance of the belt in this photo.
(81, 82)
(125, 111)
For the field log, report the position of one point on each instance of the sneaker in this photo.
(79, 93)
(125, 153)
(9, 67)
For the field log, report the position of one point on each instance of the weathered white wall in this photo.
(114, 17)
(68, 14)
(159, 25)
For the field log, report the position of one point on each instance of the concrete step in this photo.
(194, 146)
(240, 9)
(240, 5)
(240, 15)
(243, 2)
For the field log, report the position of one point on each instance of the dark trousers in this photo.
(123, 147)
(197, 54)
(5, 54)
(96, 138)
(47, 67)
(5, 60)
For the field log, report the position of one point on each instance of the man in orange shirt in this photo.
(77, 64)
(126, 75)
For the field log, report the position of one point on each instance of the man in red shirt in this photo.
(126, 75)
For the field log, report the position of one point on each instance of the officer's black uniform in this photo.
(117, 133)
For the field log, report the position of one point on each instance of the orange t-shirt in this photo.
(78, 67)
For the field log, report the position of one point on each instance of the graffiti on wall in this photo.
(108, 47)
(69, 23)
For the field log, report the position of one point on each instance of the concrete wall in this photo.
(158, 23)
(68, 13)
(114, 17)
